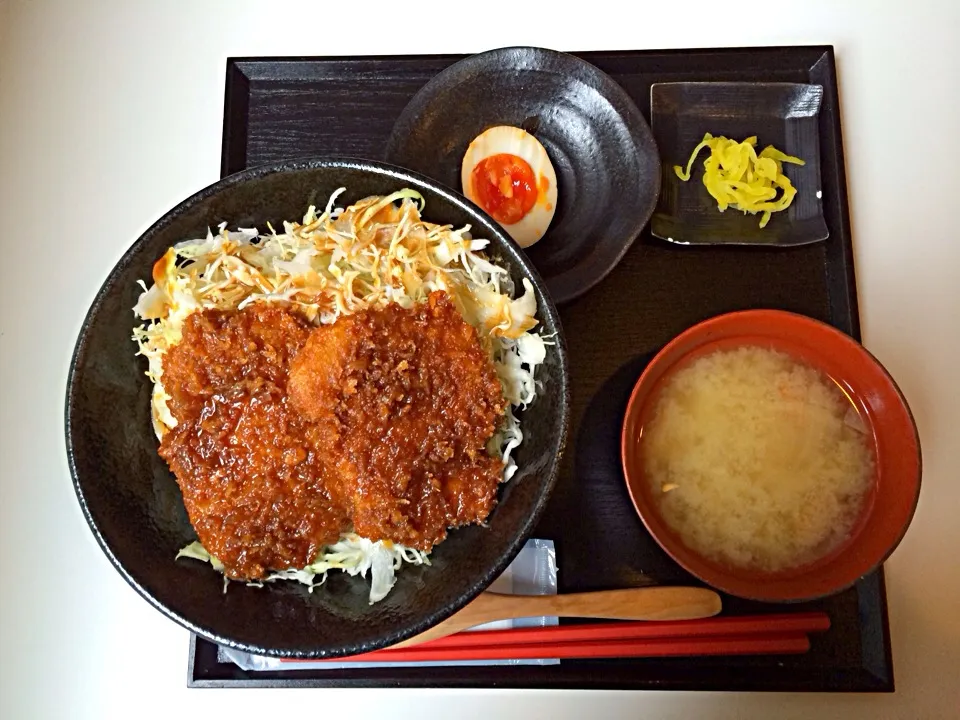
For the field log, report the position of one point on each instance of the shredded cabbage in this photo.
(735, 175)
(356, 555)
(337, 262)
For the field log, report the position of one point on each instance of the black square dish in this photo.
(785, 115)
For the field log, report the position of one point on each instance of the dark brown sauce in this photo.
(289, 435)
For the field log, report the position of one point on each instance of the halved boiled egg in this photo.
(506, 171)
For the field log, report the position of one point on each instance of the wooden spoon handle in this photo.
(647, 603)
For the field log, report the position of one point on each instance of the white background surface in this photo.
(110, 113)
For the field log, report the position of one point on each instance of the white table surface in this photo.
(110, 113)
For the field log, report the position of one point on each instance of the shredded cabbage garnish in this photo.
(337, 262)
(352, 554)
(735, 175)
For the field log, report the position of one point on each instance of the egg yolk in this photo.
(504, 185)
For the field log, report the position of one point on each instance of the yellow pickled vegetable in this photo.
(736, 176)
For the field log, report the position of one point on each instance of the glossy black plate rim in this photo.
(610, 89)
(546, 309)
(745, 83)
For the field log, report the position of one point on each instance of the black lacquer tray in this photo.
(281, 108)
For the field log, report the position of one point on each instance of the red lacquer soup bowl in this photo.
(889, 505)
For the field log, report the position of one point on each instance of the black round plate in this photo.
(608, 168)
(133, 503)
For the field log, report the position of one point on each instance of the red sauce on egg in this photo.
(505, 186)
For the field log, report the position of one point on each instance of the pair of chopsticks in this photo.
(745, 635)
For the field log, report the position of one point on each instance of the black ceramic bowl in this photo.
(134, 506)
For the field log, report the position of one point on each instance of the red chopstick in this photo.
(640, 630)
(745, 635)
(788, 643)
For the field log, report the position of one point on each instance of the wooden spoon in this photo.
(644, 603)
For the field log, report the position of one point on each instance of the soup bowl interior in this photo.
(133, 504)
(889, 503)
